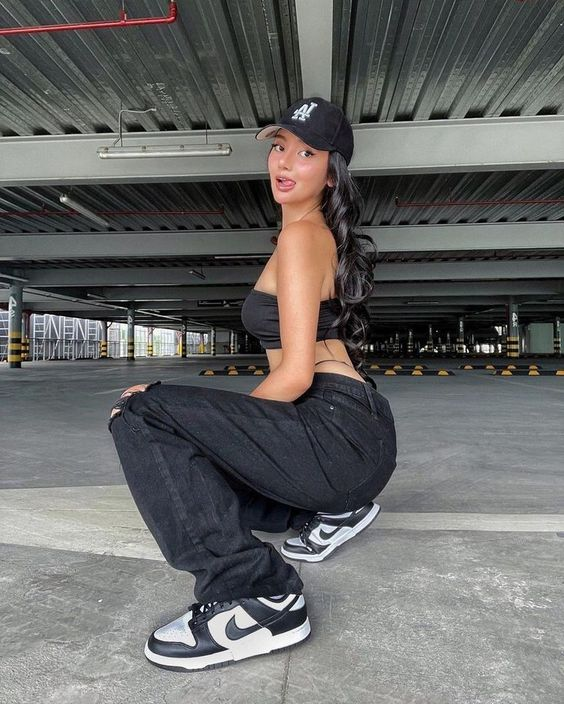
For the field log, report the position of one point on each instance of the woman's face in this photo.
(301, 165)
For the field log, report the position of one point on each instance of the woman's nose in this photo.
(283, 161)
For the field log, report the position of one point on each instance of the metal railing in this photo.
(41, 349)
(118, 348)
(53, 348)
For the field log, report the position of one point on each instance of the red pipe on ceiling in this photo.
(102, 24)
(10, 213)
(446, 203)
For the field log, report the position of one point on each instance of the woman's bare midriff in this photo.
(324, 349)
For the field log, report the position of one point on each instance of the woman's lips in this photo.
(285, 184)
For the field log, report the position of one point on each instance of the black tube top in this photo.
(259, 315)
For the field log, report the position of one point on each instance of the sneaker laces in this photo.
(202, 612)
(306, 530)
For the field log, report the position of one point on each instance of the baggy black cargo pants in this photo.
(206, 466)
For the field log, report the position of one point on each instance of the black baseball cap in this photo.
(317, 122)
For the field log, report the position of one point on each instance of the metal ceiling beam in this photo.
(160, 296)
(381, 295)
(190, 303)
(389, 148)
(383, 291)
(192, 310)
(315, 39)
(199, 243)
(375, 305)
(240, 275)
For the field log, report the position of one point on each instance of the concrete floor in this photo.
(454, 594)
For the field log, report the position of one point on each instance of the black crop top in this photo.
(259, 315)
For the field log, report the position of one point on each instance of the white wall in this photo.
(539, 337)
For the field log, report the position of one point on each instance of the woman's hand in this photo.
(116, 410)
(133, 389)
(128, 392)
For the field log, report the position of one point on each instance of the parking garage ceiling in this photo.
(457, 109)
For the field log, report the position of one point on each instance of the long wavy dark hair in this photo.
(343, 205)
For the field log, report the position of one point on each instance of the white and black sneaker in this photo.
(216, 634)
(326, 531)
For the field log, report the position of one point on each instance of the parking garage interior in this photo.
(136, 214)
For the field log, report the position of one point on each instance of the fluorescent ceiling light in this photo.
(71, 203)
(419, 303)
(240, 256)
(142, 152)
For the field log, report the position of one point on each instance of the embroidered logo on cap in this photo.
(304, 112)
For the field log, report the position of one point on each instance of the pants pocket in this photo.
(344, 402)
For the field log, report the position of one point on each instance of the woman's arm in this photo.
(278, 386)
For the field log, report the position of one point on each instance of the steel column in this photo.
(184, 338)
(512, 329)
(15, 326)
(131, 334)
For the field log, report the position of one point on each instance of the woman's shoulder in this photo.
(296, 230)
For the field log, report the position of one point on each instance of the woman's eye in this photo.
(304, 151)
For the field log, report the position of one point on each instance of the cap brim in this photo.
(315, 141)
(267, 132)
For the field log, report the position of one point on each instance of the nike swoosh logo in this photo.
(233, 632)
(325, 536)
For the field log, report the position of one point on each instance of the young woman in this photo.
(308, 448)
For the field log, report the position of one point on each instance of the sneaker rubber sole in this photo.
(259, 643)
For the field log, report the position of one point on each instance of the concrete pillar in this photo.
(504, 341)
(150, 336)
(513, 329)
(232, 340)
(448, 346)
(460, 338)
(202, 345)
(212, 342)
(130, 334)
(557, 337)
(397, 344)
(430, 339)
(104, 340)
(15, 326)
(472, 343)
(26, 324)
(410, 341)
(184, 338)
